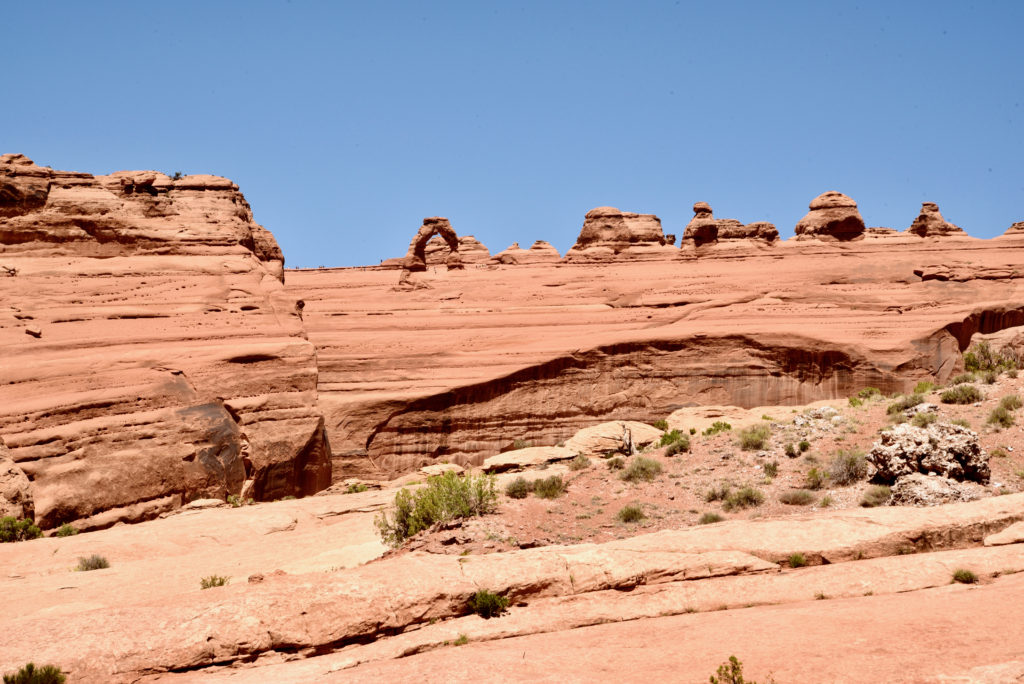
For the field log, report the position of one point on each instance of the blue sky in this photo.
(346, 123)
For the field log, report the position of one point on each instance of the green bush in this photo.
(661, 424)
(693, 431)
(355, 488)
(797, 497)
(1001, 417)
(518, 488)
(804, 445)
(964, 576)
(923, 419)
(815, 479)
(549, 487)
(66, 530)
(981, 357)
(444, 498)
(30, 674)
(676, 441)
(678, 448)
(731, 672)
(924, 387)
(989, 377)
(716, 427)
(93, 562)
(797, 560)
(855, 402)
(1010, 402)
(581, 462)
(771, 469)
(745, 497)
(521, 444)
(875, 495)
(869, 392)
(903, 403)
(719, 493)
(709, 518)
(641, 468)
(487, 604)
(14, 530)
(961, 422)
(213, 581)
(237, 501)
(617, 463)
(848, 467)
(790, 450)
(754, 437)
(961, 394)
(961, 379)
(631, 513)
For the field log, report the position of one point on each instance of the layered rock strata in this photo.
(540, 252)
(832, 216)
(609, 233)
(930, 223)
(704, 228)
(471, 251)
(150, 352)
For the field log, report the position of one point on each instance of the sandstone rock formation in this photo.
(15, 489)
(930, 223)
(540, 252)
(608, 233)
(832, 216)
(1017, 227)
(704, 228)
(471, 251)
(942, 449)
(163, 362)
(416, 257)
(614, 437)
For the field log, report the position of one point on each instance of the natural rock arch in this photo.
(416, 259)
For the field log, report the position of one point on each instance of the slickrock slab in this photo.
(1014, 534)
(519, 459)
(169, 362)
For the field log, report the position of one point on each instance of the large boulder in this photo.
(518, 459)
(613, 437)
(608, 232)
(704, 228)
(15, 489)
(832, 216)
(917, 489)
(1016, 229)
(471, 251)
(930, 223)
(947, 450)
(540, 252)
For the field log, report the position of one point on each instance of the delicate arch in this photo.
(416, 258)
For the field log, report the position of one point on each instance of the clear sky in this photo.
(346, 123)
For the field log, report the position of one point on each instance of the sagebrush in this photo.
(445, 497)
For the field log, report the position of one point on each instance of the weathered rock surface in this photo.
(614, 437)
(930, 223)
(168, 363)
(609, 233)
(15, 489)
(917, 489)
(416, 257)
(518, 459)
(540, 252)
(1017, 227)
(471, 251)
(704, 228)
(942, 449)
(832, 216)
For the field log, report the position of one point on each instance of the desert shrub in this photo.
(790, 450)
(875, 495)
(693, 431)
(1011, 402)
(237, 501)
(797, 497)
(815, 479)
(518, 488)
(797, 560)
(1001, 417)
(981, 357)
(869, 392)
(716, 427)
(804, 445)
(744, 497)
(989, 377)
(678, 448)
(487, 604)
(961, 379)
(999, 452)
(731, 672)
(754, 437)
(661, 424)
(855, 402)
(213, 581)
(521, 444)
(903, 403)
(923, 419)
(719, 493)
(924, 387)
(847, 467)
(177, 175)
(709, 518)
(14, 530)
(445, 497)
(66, 530)
(461, 641)
(617, 463)
(93, 562)
(581, 462)
(961, 422)
(771, 469)
(674, 437)
(961, 394)
(641, 468)
(355, 488)
(964, 576)
(1012, 373)
(30, 674)
(549, 487)
(826, 501)
(630, 513)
